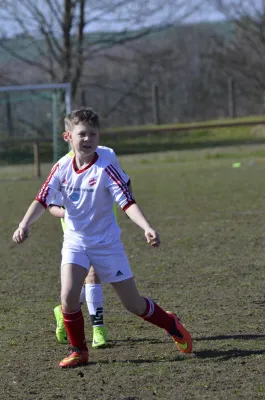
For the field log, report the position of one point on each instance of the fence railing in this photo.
(127, 132)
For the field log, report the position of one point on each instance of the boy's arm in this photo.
(38, 206)
(120, 187)
(35, 210)
(136, 215)
(56, 211)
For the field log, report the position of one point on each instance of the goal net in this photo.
(33, 112)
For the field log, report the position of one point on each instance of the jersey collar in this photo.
(79, 171)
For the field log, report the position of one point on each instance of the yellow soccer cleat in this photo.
(61, 335)
(99, 337)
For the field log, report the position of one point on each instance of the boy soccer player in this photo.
(90, 183)
(91, 292)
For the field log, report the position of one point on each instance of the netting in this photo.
(29, 115)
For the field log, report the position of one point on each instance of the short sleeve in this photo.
(117, 185)
(116, 164)
(59, 200)
(50, 188)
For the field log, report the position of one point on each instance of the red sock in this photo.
(157, 316)
(74, 325)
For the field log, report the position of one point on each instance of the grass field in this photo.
(209, 269)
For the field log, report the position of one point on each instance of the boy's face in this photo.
(84, 138)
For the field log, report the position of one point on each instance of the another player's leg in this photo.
(151, 312)
(72, 278)
(94, 299)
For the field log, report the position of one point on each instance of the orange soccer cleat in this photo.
(181, 336)
(76, 357)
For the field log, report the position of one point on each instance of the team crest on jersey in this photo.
(92, 181)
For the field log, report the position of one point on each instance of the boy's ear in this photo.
(66, 136)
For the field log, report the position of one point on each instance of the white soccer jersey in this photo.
(88, 195)
(59, 200)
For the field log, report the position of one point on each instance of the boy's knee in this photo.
(65, 302)
(136, 308)
(69, 304)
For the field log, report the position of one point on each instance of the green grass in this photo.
(209, 269)
(220, 122)
(250, 153)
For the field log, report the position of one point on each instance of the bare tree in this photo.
(58, 36)
(174, 59)
(241, 52)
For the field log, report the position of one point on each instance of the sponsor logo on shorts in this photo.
(119, 273)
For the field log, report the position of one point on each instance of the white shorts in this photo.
(109, 261)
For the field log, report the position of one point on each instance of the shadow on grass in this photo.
(204, 354)
(126, 342)
(140, 361)
(233, 353)
(227, 354)
(229, 337)
(133, 341)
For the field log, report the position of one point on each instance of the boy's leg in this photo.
(112, 266)
(61, 334)
(92, 294)
(72, 278)
(94, 299)
(151, 312)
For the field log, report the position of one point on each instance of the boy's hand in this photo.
(152, 237)
(21, 234)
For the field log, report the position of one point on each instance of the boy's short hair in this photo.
(81, 115)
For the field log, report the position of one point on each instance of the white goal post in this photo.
(45, 86)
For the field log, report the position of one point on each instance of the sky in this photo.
(203, 15)
(174, 12)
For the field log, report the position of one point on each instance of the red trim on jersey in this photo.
(41, 202)
(120, 183)
(43, 193)
(128, 205)
(116, 172)
(117, 175)
(79, 171)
